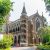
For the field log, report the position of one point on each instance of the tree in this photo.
(44, 33)
(5, 7)
(47, 3)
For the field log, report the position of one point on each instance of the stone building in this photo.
(26, 27)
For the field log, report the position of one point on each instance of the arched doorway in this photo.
(19, 40)
(15, 40)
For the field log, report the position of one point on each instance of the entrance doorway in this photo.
(15, 40)
(19, 40)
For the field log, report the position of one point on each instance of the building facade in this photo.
(26, 27)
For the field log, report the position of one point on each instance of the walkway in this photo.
(23, 48)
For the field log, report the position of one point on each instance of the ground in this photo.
(23, 48)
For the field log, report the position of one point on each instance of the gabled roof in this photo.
(35, 15)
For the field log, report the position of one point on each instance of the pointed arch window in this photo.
(37, 24)
(23, 25)
(13, 30)
(10, 31)
(18, 28)
(23, 30)
(23, 21)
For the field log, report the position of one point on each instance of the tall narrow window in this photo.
(23, 25)
(37, 24)
(13, 30)
(18, 29)
(23, 30)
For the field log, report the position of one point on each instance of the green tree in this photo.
(47, 3)
(5, 7)
(44, 33)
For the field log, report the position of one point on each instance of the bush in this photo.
(43, 47)
(45, 36)
(6, 42)
(44, 33)
(5, 49)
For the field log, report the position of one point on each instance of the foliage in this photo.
(44, 34)
(43, 47)
(47, 3)
(6, 42)
(5, 49)
(5, 7)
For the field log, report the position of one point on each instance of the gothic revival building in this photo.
(26, 27)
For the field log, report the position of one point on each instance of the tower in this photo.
(42, 14)
(24, 25)
(24, 10)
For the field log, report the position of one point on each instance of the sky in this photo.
(31, 7)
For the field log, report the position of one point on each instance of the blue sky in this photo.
(31, 7)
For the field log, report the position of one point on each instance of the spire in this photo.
(24, 10)
(37, 11)
(42, 14)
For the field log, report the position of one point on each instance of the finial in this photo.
(37, 11)
(42, 13)
(24, 3)
(24, 10)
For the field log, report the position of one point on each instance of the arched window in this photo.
(23, 30)
(13, 30)
(10, 31)
(24, 36)
(37, 24)
(23, 21)
(23, 25)
(15, 39)
(19, 39)
(18, 28)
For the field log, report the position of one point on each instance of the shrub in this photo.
(44, 33)
(6, 42)
(43, 47)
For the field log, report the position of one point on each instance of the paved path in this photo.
(23, 48)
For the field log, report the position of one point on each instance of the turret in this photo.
(24, 10)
